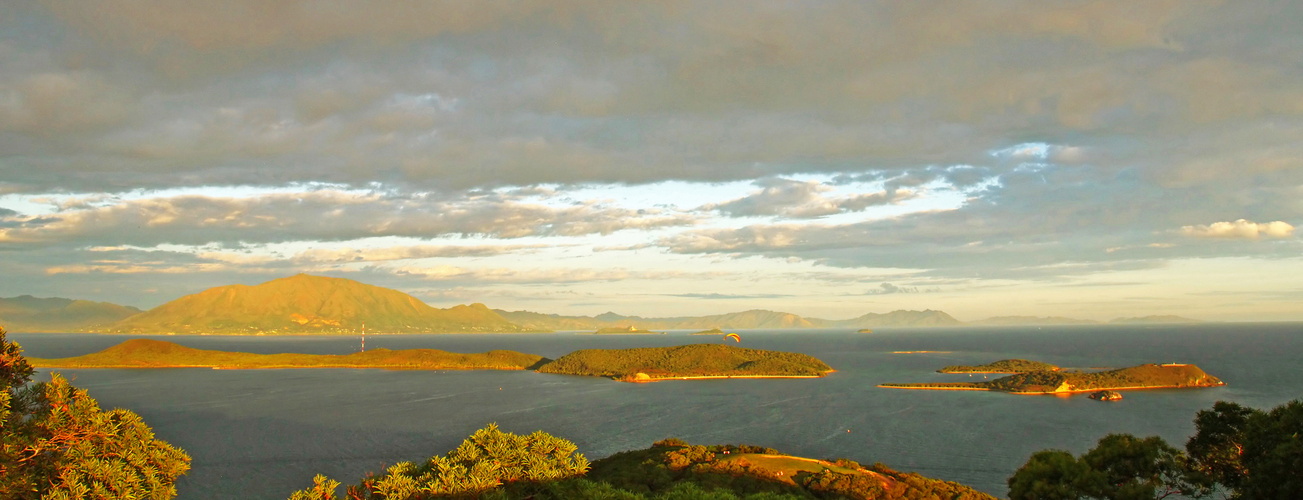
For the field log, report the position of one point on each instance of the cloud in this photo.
(888, 289)
(343, 255)
(53, 103)
(802, 200)
(537, 275)
(1240, 229)
(326, 215)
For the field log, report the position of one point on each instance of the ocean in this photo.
(266, 433)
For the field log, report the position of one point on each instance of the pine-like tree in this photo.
(56, 442)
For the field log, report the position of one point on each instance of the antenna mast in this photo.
(363, 337)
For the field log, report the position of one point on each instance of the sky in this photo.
(673, 158)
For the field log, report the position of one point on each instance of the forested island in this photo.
(632, 365)
(697, 361)
(625, 330)
(712, 331)
(147, 353)
(1149, 376)
(1002, 366)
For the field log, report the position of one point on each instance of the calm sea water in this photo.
(265, 433)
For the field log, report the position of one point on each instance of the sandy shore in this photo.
(711, 377)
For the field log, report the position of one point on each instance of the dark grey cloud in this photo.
(322, 215)
(440, 95)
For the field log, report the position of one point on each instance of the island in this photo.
(148, 353)
(1148, 376)
(625, 330)
(1002, 366)
(687, 362)
(1106, 396)
(864, 330)
(712, 331)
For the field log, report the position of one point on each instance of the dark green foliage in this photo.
(1254, 454)
(685, 361)
(1247, 453)
(1218, 443)
(1273, 453)
(56, 443)
(1120, 467)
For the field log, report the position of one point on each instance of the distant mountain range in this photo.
(305, 304)
(26, 313)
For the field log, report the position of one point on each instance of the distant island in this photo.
(318, 305)
(147, 353)
(712, 331)
(1002, 366)
(1149, 376)
(697, 361)
(624, 330)
(1154, 320)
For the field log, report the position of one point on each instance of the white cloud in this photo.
(1240, 229)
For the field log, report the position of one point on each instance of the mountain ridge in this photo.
(310, 304)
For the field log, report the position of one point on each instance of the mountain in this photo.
(925, 317)
(1168, 319)
(310, 304)
(1032, 320)
(753, 319)
(26, 313)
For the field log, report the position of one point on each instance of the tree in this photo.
(1218, 444)
(1048, 475)
(1120, 467)
(489, 458)
(1273, 453)
(56, 443)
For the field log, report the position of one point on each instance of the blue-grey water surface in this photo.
(265, 433)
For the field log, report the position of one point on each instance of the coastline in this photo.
(884, 386)
(710, 377)
(1047, 393)
(268, 367)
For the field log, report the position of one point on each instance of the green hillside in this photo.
(146, 353)
(697, 360)
(26, 313)
(303, 304)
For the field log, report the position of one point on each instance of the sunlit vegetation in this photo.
(1236, 452)
(487, 466)
(56, 442)
(1002, 366)
(486, 460)
(304, 304)
(697, 360)
(1148, 376)
(147, 353)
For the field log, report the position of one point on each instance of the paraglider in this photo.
(734, 336)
